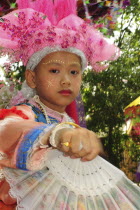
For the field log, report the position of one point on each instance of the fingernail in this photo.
(73, 157)
(65, 155)
(83, 160)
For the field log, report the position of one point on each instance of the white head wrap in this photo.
(38, 56)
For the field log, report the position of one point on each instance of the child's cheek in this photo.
(77, 84)
(49, 82)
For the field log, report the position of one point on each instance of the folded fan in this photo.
(70, 184)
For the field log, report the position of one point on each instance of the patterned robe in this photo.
(21, 130)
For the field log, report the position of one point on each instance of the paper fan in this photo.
(70, 184)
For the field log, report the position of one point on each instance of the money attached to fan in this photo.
(68, 184)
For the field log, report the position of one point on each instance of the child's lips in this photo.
(65, 92)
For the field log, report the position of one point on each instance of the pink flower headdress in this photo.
(41, 23)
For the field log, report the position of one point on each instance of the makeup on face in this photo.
(65, 92)
(62, 62)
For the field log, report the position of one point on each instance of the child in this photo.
(63, 69)
(55, 51)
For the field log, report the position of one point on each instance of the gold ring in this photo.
(67, 144)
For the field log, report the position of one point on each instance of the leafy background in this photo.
(105, 95)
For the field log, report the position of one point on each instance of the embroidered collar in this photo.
(61, 117)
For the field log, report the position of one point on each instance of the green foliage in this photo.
(106, 94)
(15, 74)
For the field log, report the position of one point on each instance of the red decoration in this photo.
(5, 112)
(72, 111)
(132, 112)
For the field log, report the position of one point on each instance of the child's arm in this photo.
(20, 139)
(25, 141)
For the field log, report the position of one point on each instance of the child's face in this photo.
(57, 79)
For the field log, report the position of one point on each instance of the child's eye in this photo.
(74, 72)
(54, 71)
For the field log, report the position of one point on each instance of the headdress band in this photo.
(38, 56)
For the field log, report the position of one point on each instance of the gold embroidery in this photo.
(61, 62)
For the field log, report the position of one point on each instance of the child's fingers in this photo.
(63, 147)
(65, 154)
(65, 140)
(87, 145)
(82, 153)
(94, 147)
(90, 156)
(96, 150)
(86, 148)
(75, 144)
(80, 143)
(70, 142)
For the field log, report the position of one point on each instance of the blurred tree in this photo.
(105, 95)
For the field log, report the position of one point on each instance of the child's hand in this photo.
(83, 143)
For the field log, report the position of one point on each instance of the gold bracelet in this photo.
(69, 123)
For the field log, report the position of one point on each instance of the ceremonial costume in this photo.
(40, 177)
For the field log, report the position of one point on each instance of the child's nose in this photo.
(65, 80)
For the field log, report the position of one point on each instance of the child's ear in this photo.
(30, 78)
